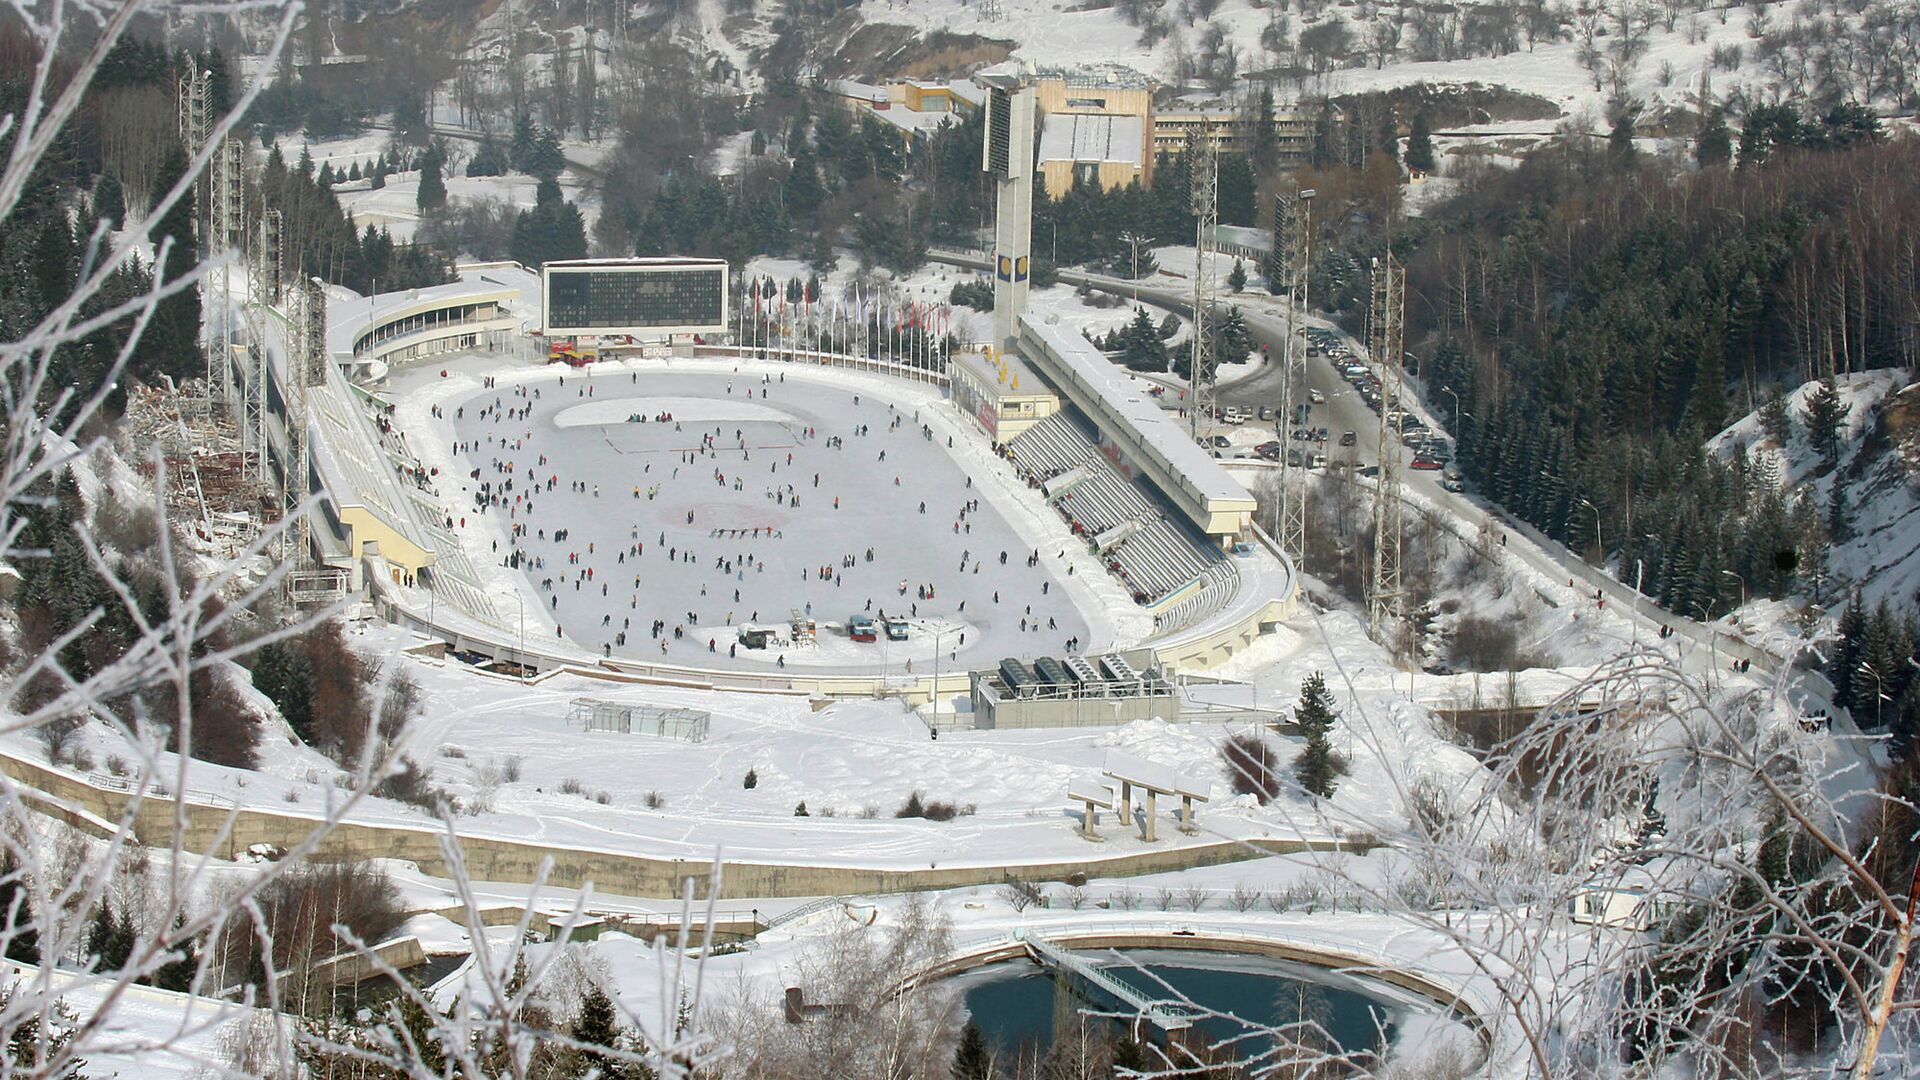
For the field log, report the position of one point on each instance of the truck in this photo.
(860, 628)
(896, 629)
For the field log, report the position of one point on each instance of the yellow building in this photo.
(1091, 148)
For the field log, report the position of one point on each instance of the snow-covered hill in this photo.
(1879, 466)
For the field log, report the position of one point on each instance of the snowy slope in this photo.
(1882, 554)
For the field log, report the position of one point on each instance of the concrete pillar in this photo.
(1125, 805)
(1087, 822)
(1186, 812)
(1151, 801)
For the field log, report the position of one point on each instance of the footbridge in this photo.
(1168, 1016)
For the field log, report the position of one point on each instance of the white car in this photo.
(1316, 397)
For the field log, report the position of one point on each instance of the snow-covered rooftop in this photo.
(1202, 476)
(1092, 137)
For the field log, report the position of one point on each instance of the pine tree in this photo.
(1420, 144)
(16, 909)
(596, 1026)
(1237, 278)
(171, 343)
(177, 974)
(546, 159)
(520, 148)
(305, 165)
(353, 171)
(1315, 717)
(1143, 349)
(973, 1060)
(53, 262)
(1839, 520)
(1620, 138)
(1823, 417)
(1843, 665)
(109, 201)
(102, 929)
(1264, 151)
(1390, 136)
(325, 179)
(433, 189)
(1714, 144)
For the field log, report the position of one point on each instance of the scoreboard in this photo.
(649, 298)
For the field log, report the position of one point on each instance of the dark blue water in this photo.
(1018, 1004)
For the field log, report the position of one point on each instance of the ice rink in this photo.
(761, 496)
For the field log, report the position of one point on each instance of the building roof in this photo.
(349, 314)
(1117, 76)
(988, 374)
(1122, 400)
(858, 90)
(1092, 137)
(352, 466)
(969, 91)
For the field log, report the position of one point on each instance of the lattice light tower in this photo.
(194, 98)
(264, 267)
(1293, 237)
(193, 117)
(1201, 393)
(307, 368)
(228, 219)
(1385, 603)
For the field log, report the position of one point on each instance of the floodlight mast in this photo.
(1295, 244)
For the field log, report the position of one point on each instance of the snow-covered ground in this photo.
(396, 205)
(1881, 554)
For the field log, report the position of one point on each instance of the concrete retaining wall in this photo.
(227, 831)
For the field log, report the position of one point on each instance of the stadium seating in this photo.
(1159, 555)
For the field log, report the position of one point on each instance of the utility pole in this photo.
(1206, 213)
(1385, 604)
(1293, 214)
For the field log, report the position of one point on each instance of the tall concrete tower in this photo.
(1008, 156)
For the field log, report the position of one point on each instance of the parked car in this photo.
(1269, 450)
(1294, 457)
(1318, 460)
(1349, 438)
(1316, 397)
(896, 629)
(1453, 483)
(1220, 442)
(1426, 464)
(860, 628)
(1266, 412)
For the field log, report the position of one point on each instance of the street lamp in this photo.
(1134, 240)
(1597, 542)
(1449, 391)
(1879, 689)
(1743, 585)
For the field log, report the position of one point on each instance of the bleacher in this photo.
(1156, 556)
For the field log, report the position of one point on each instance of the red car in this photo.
(1426, 464)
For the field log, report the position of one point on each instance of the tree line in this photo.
(1599, 315)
